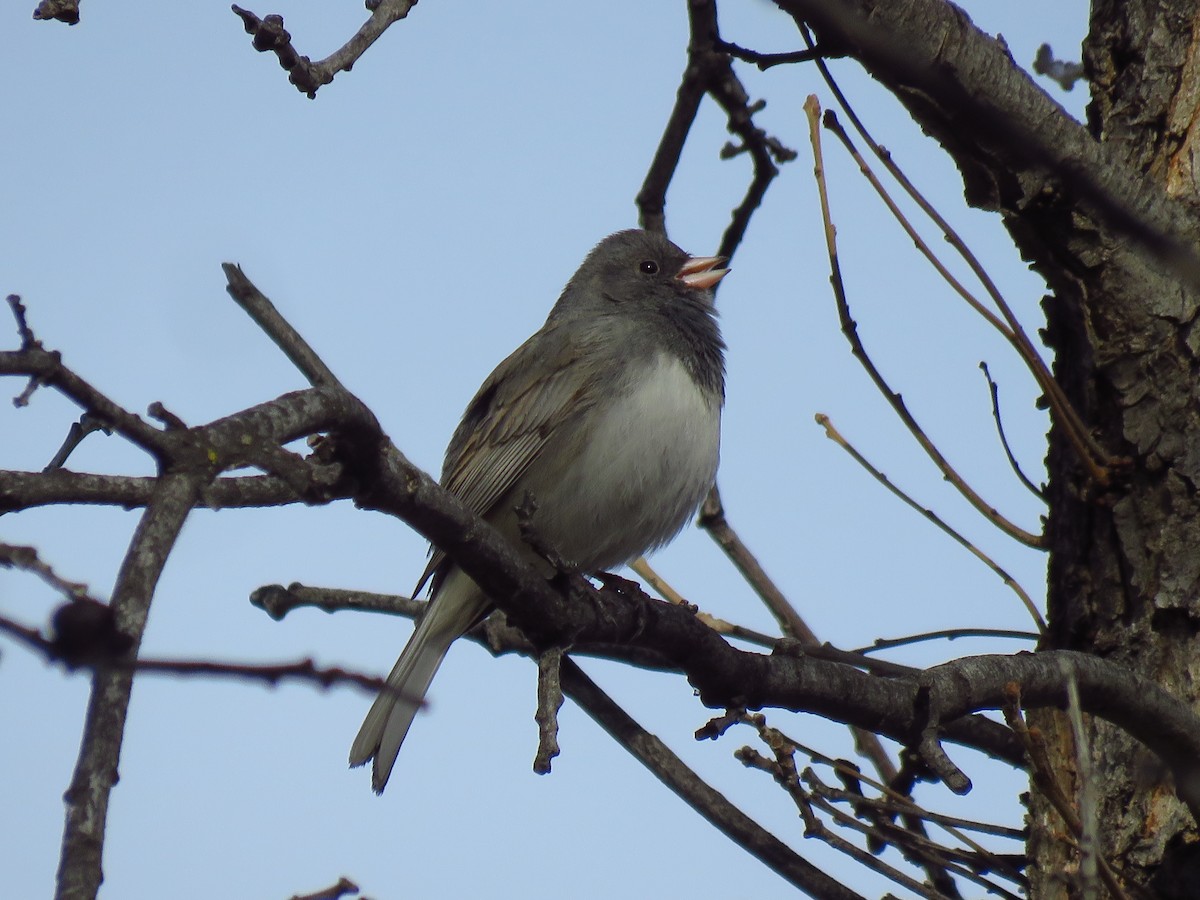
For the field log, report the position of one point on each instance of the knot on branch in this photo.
(269, 35)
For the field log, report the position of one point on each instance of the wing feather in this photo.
(509, 421)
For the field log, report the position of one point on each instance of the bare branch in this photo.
(47, 368)
(850, 329)
(996, 123)
(712, 520)
(709, 71)
(834, 435)
(79, 872)
(994, 390)
(948, 634)
(688, 786)
(26, 559)
(270, 36)
(264, 314)
(549, 702)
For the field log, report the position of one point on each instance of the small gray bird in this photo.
(610, 416)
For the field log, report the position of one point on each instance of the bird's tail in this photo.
(458, 605)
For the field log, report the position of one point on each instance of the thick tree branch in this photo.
(80, 872)
(1014, 145)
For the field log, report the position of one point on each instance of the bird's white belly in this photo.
(647, 463)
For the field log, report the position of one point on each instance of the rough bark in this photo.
(1124, 568)
(1121, 320)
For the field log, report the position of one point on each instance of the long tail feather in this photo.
(458, 605)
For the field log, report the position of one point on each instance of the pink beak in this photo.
(701, 271)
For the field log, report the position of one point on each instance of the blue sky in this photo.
(416, 222)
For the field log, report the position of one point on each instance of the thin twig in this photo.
(709, 71)
(1094, 456)
(994, 390)
(26, 559)
(834, 435)
(306, 670)
(918, 853)
(783, 771)
(689, 787)
(766, 61)
(948, 634)
(1010, 328)
(850, 329)
(902, 802)
(712, 520)
(719, 625)
(28, 341)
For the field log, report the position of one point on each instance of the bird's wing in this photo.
(508, 423)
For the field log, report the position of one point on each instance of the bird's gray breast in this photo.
(628, 481)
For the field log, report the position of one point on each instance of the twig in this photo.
(917, 848)
(712, 520)
(95, 651)
(277, 601)
(850, 329)
(46, 368)
(75, 434)
(270, 36)
(28, 490)
(689, 787)
(668, 593)
(26, 559)
(1093, 455)
(264, 314)
(783, 770)
(1010, 328)
(28, 341)
(902, 802)
(912, 837)
(834, 435)
(994, 390)
(949, 634)
(710, 72)
(549, 702)
(766, 61)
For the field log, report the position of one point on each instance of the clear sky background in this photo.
(416, 222)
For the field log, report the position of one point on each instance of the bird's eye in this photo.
(649, 267)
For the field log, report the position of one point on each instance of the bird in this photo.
(608, 417)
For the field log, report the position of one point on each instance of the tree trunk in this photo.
(1125, 560)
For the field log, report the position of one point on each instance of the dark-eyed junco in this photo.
(610, 416)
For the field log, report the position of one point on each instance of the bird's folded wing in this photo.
(510, 420)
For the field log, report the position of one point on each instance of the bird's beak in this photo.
(702, 271)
